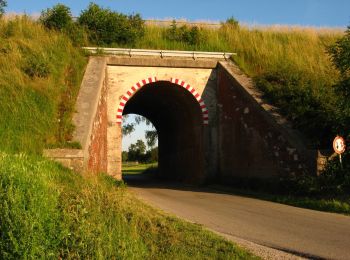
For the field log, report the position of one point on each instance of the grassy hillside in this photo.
(49, 212)
(290, 64)
(40, 74)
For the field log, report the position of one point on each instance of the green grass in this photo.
(328, 204)
(47, 211)
(137, 168)
(40, 75)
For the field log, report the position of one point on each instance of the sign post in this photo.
(339, 147)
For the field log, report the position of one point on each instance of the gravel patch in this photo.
(259, 250)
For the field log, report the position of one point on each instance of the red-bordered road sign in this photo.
(339, 144)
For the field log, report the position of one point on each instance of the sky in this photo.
(330, 13)
(139, 133)
(323, 13)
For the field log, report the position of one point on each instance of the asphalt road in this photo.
(309, 233)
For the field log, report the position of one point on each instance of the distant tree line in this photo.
(137, 153)
(3, 4)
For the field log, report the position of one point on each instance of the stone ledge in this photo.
(172, 62)
(63, 153)
(70, 158)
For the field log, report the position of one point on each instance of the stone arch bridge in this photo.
(212, 123)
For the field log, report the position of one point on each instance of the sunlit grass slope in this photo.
(48, 212)
(40, 74)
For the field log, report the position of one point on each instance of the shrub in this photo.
(301, 101)
(189, 35)
(3, 4)
(335, 179)
(77, 34)
(58, 17)
(106, 27)
(36, 65)
(340, 56)
(231, 22)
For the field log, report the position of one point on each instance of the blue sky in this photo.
(292, 12)
(139, 133)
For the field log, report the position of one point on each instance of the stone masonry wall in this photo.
(254, 141)
(98, 144)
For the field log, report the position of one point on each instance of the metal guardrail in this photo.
(167, 23)
(160, 53)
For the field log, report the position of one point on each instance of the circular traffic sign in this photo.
(339, 144)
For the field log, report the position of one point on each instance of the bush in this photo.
(231, 23)
(77, 34)
(300, 100)
(335, 179)
(340, 56)
(3, 4)
(189, 35)
(36, 65)
(58, 17)
(106, 27)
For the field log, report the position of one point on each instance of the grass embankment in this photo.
(47, 211)
(290, 65)
(40, 75)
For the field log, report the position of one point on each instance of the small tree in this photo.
(107, 27)
(151, 137)
(124, 156)
(3, 4)
(340, 56)
(137, 151)
(189, 35)
(232, 22)
(58, 17)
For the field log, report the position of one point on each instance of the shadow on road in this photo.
(151, 181)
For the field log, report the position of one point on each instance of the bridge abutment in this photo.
(211, 120)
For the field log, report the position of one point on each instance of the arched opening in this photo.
(139, 147)
(178, 117)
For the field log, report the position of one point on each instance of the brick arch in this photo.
(176, 81)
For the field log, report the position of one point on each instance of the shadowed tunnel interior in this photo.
(177, 116)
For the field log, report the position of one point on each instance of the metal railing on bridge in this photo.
(160, 53)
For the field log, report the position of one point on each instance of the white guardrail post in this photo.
(160, 53)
